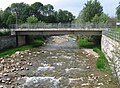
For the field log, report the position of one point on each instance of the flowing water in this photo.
(60, 66)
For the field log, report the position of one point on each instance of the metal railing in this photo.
(60, 25)
(112, 35)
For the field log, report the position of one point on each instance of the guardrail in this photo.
(112, 35)
(60, 25)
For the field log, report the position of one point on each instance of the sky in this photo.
(74, 6)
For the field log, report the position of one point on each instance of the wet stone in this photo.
(27, 68)
(0, 80)
(62, 67)
(22, 68)
(1, 86)
(8, 79)
(5, 74)
(30, 64)
(12, 86)
(3, 61)
(3, 81)
(21, 56)
(88, 67)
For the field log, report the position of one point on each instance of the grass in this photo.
(7, 52)
(101, 63)
(116, 30)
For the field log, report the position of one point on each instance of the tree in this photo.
(38, 10)
(118, 12)
(96, 19)
(5, 17)
(103, 18)
(91, 8)
(49, 14)
(21, 11)
(32, 19)
(1, 15)
(48, 10)
(11, 20)
(64, 16)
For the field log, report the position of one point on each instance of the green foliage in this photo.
(91, 8)
(48, 10)
(89, 41)
(20, 12)
(96, 19)
(102, 62)
(116, 30)
(103, 18)
(11, 51)
(64, 16)
(5, 33)
(37, 43)
(118, 12)
(1, 15)
(32, 19)
(7, 52)
(86, 44)
(11, 20)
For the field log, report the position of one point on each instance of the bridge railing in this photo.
(112, 35)
(59, 25)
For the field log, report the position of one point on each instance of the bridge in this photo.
(53, 29)
(57, 29)
(60, 31)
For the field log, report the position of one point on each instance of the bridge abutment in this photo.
(20, 40)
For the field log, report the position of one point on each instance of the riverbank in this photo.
(55, 65)
(10, 51)
(94, 49)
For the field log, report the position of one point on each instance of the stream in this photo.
(57, 64)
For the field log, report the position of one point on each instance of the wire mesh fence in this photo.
(60, 25)
(113, 35)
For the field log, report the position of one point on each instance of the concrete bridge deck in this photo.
(57, 31)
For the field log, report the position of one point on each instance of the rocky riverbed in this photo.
(58, 64)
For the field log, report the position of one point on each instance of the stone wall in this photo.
(111, 49)
(7, 41)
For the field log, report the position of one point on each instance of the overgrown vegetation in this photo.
(102, 62)
(32, 44)
(88, 42)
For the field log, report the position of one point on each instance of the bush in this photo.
(86, 44)
(32, 19)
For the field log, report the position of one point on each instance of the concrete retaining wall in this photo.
(7, 41)
(111, 48)
(21, 40)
